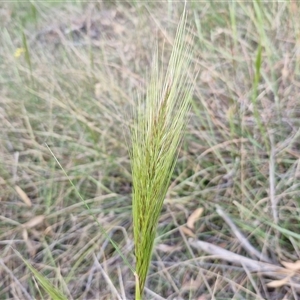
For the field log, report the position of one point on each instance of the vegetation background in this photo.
(70, 72)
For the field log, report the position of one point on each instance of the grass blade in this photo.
(51, 290)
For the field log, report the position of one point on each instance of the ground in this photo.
(70, 75)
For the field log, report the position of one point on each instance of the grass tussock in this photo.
(156, 135)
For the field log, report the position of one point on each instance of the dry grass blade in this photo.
(51, 290)
(266, 269)
(278, 283)
(292, 266)
(23, 196)
(67, 82)
(194, 217)
(156, 136)
(34, 221)
(243, 240)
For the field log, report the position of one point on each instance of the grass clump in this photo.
(240, 152)
(156, 136)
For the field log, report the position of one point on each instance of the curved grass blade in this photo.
(51, 290)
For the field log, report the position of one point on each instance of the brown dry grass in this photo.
(88, 60)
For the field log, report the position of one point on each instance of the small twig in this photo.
(106, 277)
(252, 281)
(154, 295)
(243, 240)
(252, 265)
(122, 288)
(89, 281)
(266, 269)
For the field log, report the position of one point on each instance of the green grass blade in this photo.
(95, 219)
(27, 54)
(257, 76)
(51, 290)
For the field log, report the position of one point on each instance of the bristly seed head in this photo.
(156, 136)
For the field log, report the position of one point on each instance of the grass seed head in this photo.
(156, 136)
